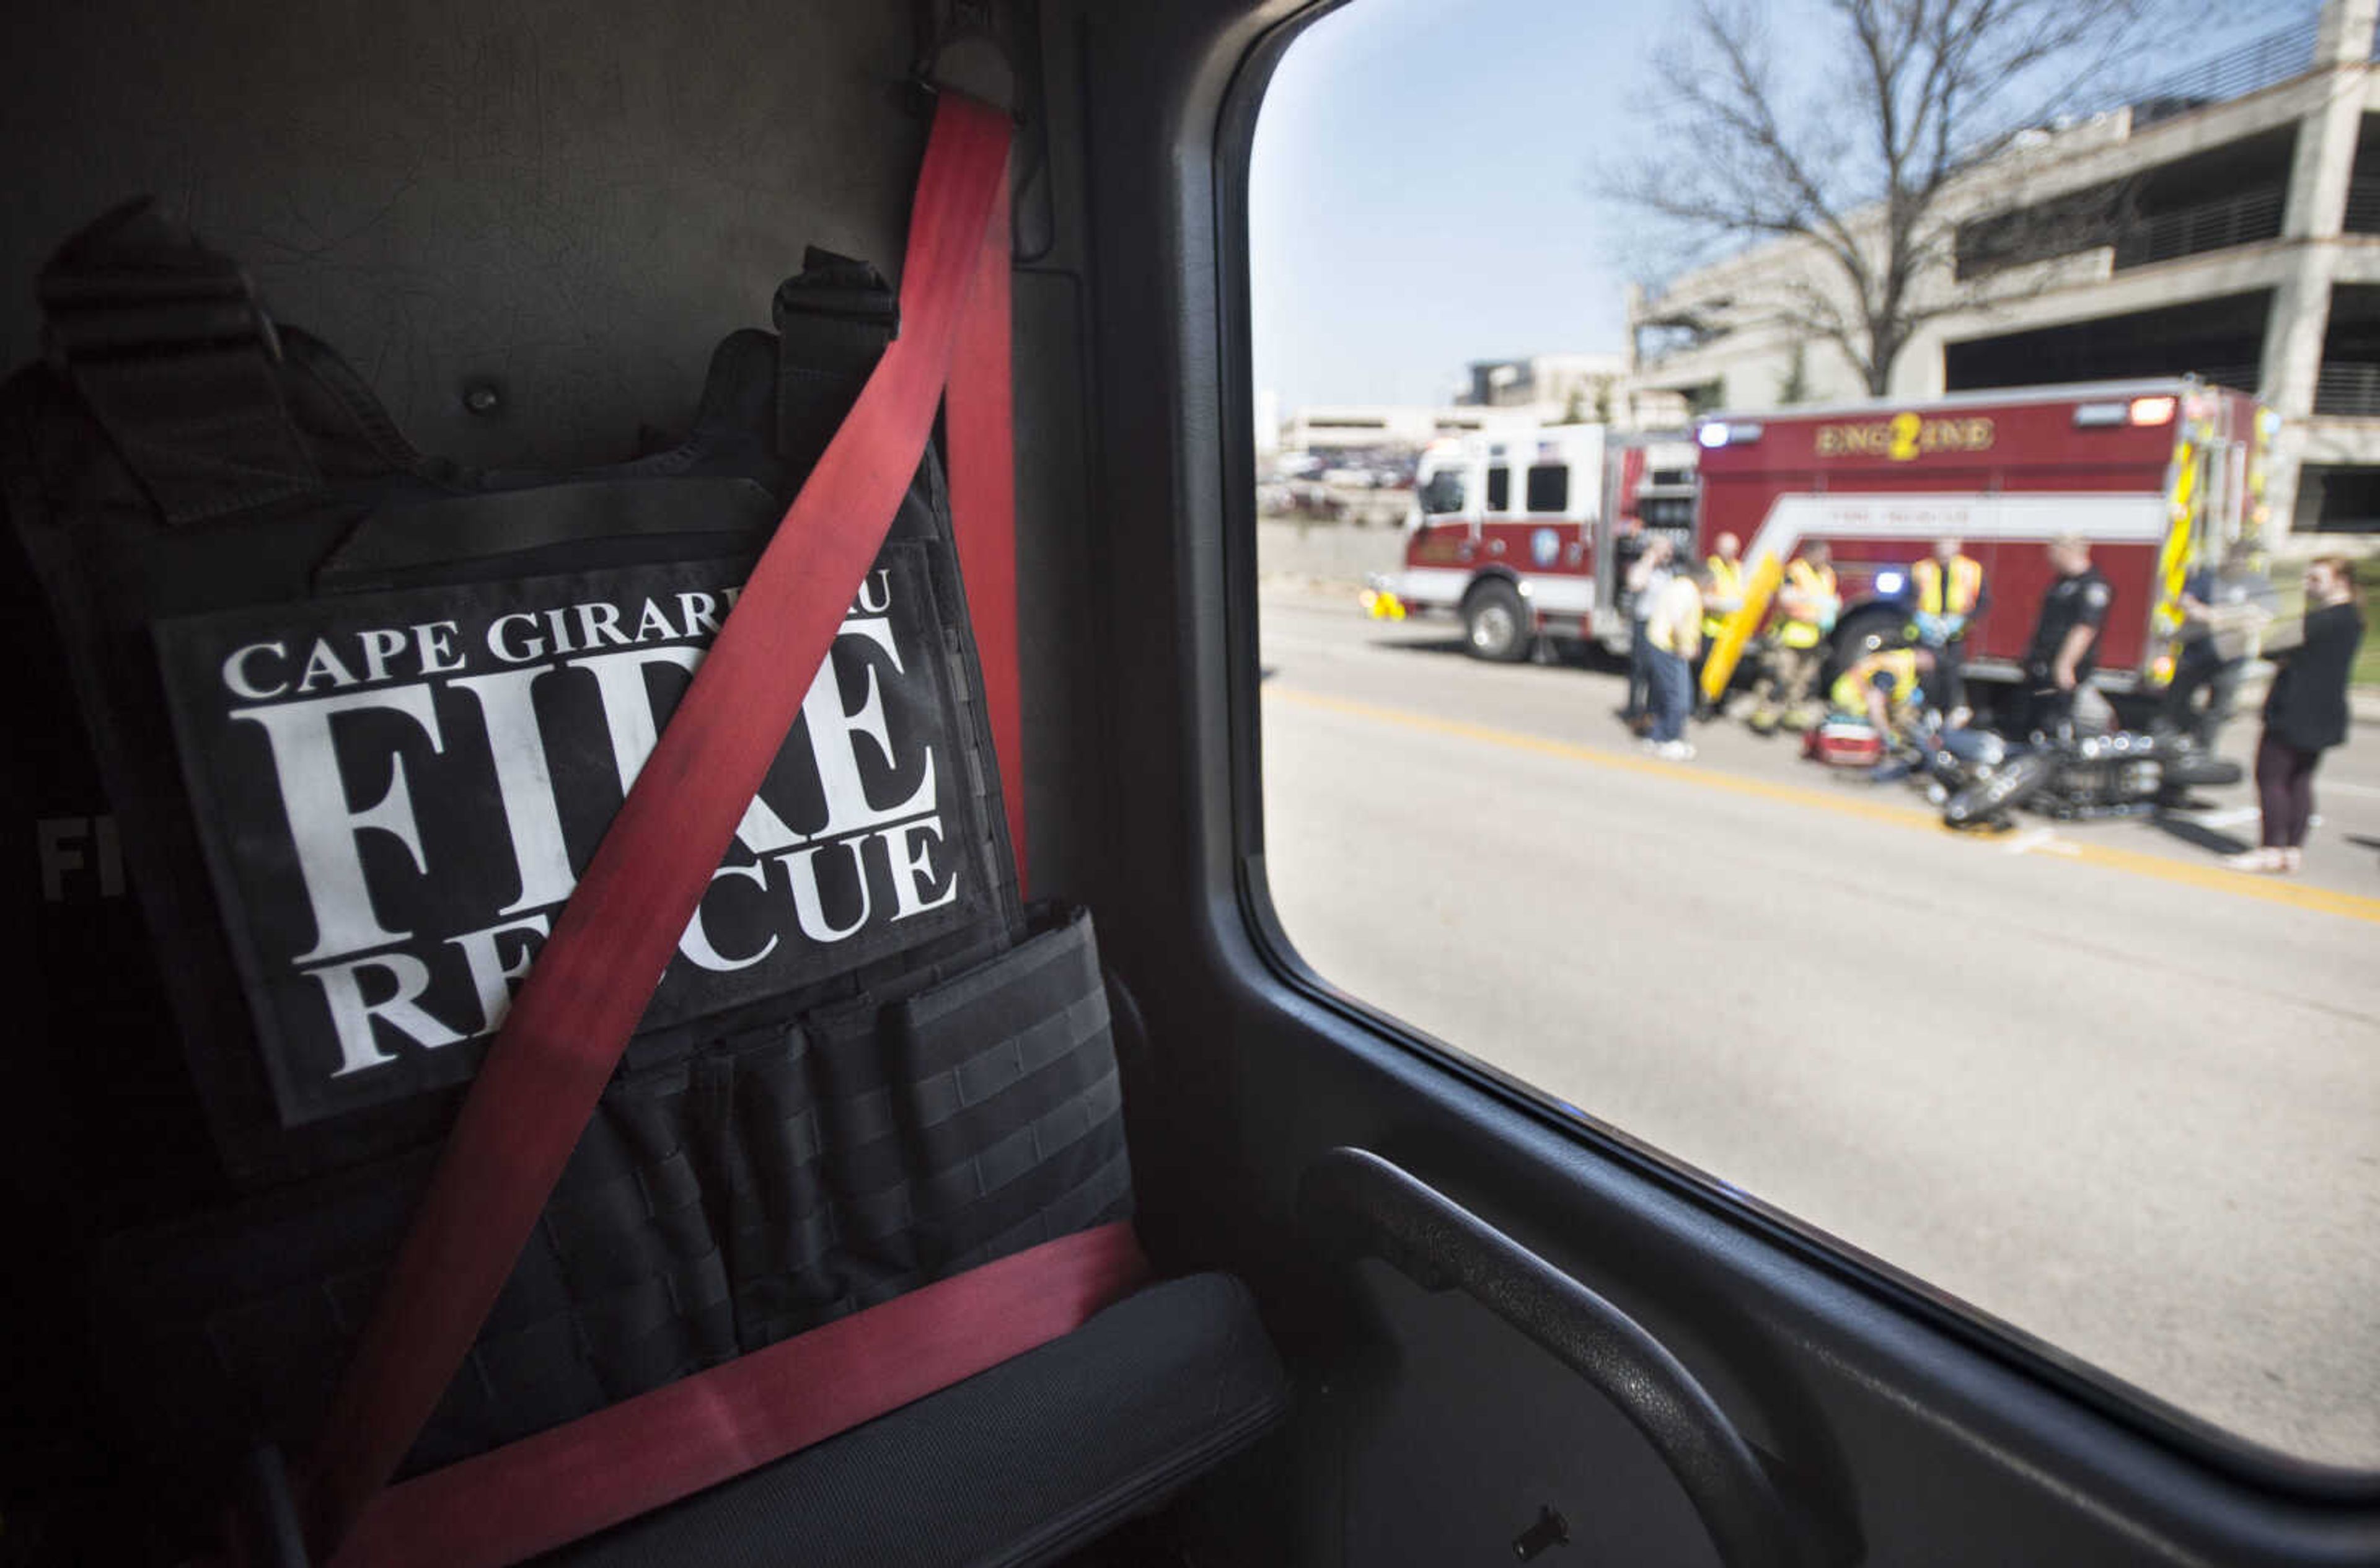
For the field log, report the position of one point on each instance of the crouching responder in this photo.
(1806, 604)
(1885, 688)
(1948, 586)
(1722, 597)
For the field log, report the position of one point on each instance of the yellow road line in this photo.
(2216, 878)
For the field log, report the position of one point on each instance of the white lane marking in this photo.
(2222, 818)
(2040, 838)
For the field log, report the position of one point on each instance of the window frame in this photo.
(1260, 936)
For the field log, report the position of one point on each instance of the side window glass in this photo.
(1945, 929)
(1442, 493)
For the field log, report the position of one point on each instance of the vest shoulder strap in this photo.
(834, 320)
(168, 344)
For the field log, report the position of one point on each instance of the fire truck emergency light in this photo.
(2143, 411)
(1719, 433)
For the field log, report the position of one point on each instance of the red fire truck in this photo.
(1517, 530)
(2156, 474)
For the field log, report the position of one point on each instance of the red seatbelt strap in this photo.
(546, 1069)
(979, 421)
(627, 1459)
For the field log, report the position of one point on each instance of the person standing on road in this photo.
(2065, 646)
(2305, 714)
(2215, 607)
(1722, 597)
(1652, 573)
(1807, 605)
(1673, 637)
(1951, 594)
(1627, 549)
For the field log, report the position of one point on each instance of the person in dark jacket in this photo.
(2064, 647)
(2305, 714)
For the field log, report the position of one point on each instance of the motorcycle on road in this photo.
(1981, 779)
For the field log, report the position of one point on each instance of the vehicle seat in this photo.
(1020, 1464)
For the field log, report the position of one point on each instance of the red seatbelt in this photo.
(546, 1069)
(979, 421)
(548, 1490)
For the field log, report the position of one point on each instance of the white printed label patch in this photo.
(397, 792)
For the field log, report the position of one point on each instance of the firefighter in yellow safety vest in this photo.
(1883, 687)
(1722, 600)
(1807, 605)
(1947, 589)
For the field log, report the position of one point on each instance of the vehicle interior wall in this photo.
(572, 203)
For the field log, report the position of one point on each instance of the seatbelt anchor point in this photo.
(968, 47)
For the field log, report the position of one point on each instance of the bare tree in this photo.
(1857, 160)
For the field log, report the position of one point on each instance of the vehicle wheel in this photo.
(1991, 800)
(1861, 633)
(1496, 624)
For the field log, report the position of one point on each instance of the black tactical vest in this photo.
(315, 733)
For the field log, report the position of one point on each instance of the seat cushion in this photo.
(1015, 1465)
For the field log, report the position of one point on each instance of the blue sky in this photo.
(1419, 193)
(1421, 190)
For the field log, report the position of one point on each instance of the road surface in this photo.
(2085, 1080)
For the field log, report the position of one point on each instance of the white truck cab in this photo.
(1516, 529)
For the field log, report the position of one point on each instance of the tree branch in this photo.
(1929, 81)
